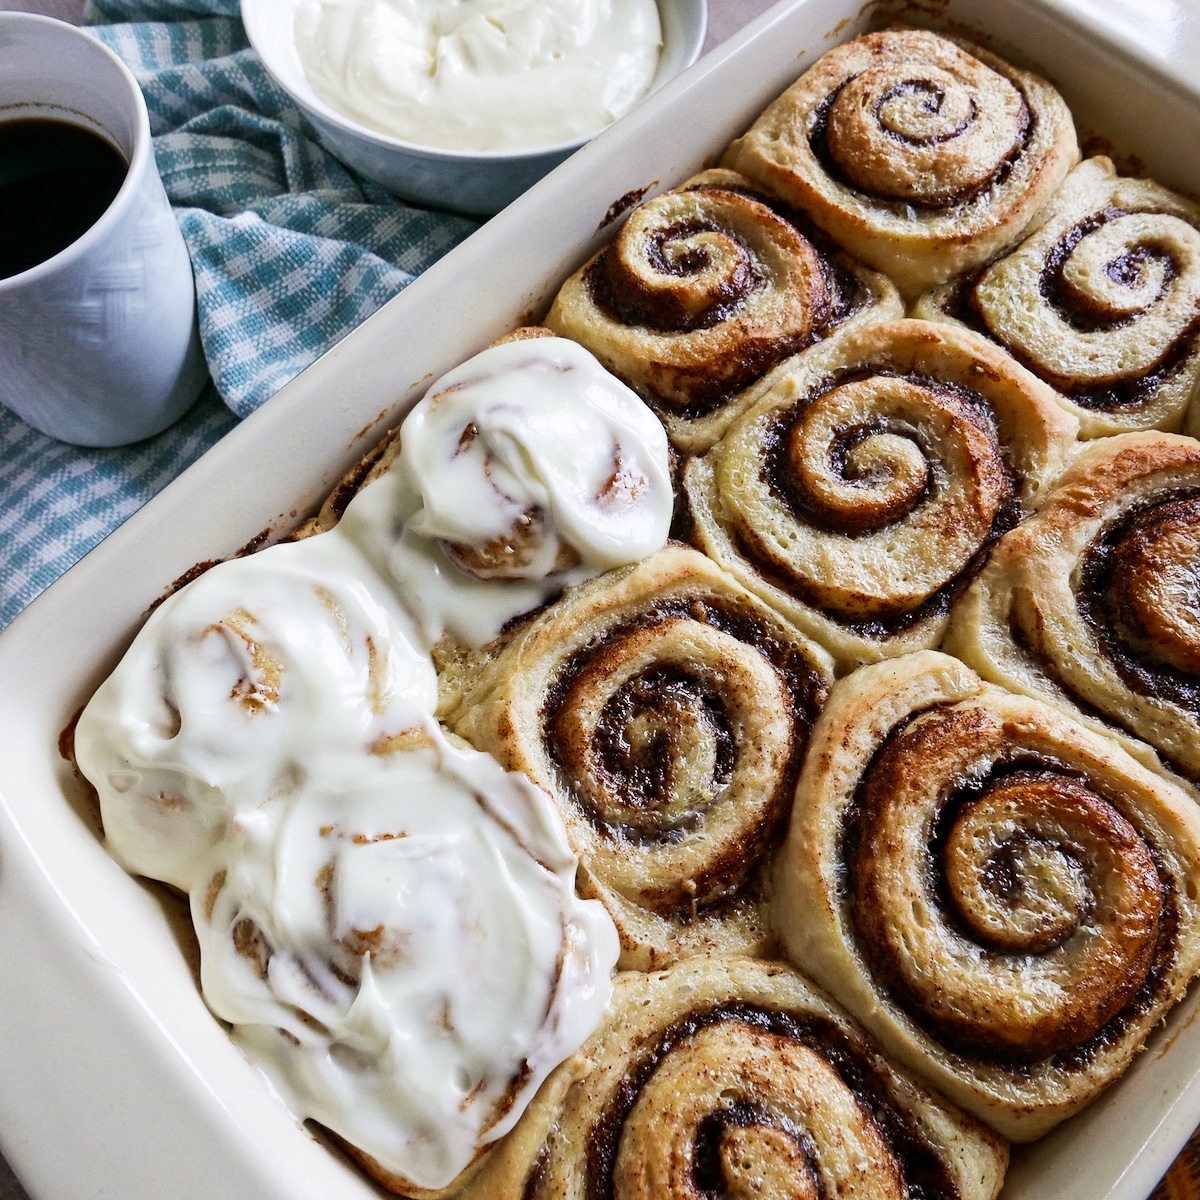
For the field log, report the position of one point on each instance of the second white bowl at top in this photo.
(477, 182)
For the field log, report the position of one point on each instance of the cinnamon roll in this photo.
(1003, 897)
(705, 288)
(858, 495)
(233, 685)
(665, 709)
(733, 1077)
(1103, 302)
(523, 470)
(399, 948)
(1091, 604)
(922, 156)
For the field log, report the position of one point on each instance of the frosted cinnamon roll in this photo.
(922, 156)
(1092, 604)
(1004, 898)
(523, 470)
(704, 289)
(858, 495)
(733, 1077)
(665, 709)
(1103, 302)
(233, 685)
(399, 948)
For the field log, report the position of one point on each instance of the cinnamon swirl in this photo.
(1092, 604)
(733, 1077)
(1004, 898)
(665, 709)
(1103, 302)
(705, 288)
(922, 156)
(857, 496)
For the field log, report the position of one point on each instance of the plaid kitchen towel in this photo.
(290, 251)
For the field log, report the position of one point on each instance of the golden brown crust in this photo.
(731, 1076)
(1090, 604)
(1101, 302)
(665, 709)
(705, 288)
(856, 496)
(921, 156)
(1001, 896)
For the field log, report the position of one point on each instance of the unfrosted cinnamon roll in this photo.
(921, 156)
(857, 496)
(665, 709)
(1103, 302)
(1004, 898)
(1092, 604)
(733, 1077)
(705, 288)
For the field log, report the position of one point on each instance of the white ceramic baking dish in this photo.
(114, 1080)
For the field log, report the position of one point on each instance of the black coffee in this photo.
(56, 179)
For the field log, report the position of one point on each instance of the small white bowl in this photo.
(478, 183)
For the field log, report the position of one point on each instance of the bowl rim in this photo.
(315, 107)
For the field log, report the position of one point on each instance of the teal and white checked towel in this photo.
(290, 252)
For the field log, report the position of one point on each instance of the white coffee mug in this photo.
(98, 343)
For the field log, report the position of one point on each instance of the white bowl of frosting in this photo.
(463, 104)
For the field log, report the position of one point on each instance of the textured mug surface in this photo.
(98, 343)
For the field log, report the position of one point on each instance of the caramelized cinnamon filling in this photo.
(674, 251)
(1001, 898)
(1139, 594)
(731, 1124)
(658, 725)
(840, 154)
(725, 263)
(862, 477)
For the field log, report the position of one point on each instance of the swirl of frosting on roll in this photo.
(1001, 896)
(525, 469)
(921, 156)
(1103, 301)
(704, 289)
(233, 685)
(665, 710)
(857, 495)
(1092, 605)
(733, 1077)
(399, 948)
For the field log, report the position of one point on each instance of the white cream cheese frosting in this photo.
(480, 74)
(527, 468)
(400, 947)
(388, 920)
(233, 685)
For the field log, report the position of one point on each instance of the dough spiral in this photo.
(704, 289)
(922, 157)
(666, 710)
(856, 496)
(1103, 302)
(733, 1077)
(1003, 897)
(1091, 604)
